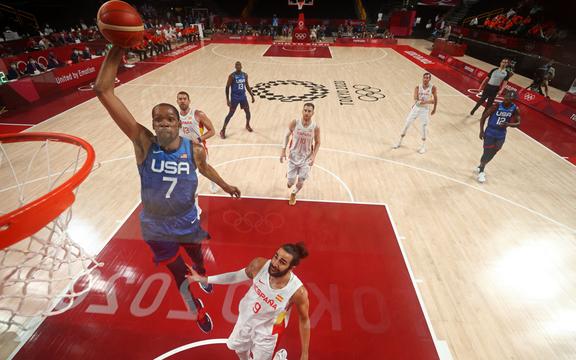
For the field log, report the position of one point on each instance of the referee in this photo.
(493, 84)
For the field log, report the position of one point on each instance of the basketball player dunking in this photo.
(196, 126)
(166, 164)
(303, 136)
(238, 83)
(265, 309)
(424, 95)
(495, 134)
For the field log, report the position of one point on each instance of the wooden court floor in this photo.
(494, 262)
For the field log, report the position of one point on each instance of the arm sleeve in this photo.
(229, 278)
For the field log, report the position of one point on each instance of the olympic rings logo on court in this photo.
(313, 91)
(529, 97)
(253, 221)
(300, 36)
(368, 93)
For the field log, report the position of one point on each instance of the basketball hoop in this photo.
(300, 4)
(42, 270)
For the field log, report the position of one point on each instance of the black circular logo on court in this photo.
(309, 90)
(368, 93)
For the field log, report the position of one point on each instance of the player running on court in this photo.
(500, 117)
(265, 309)
(424, 95)
(303, 137)
(236, 95)
(196, 126)
(167, 166)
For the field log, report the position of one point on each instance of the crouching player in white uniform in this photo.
(303, 137)
(424, 95)
(265, 309)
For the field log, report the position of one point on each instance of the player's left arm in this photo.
(205, 121)
(249, 88)
(300, 299)
(209, 172)
(434, 100)
(516, 117)
(316, 145)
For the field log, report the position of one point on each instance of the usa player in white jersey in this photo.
(265, 309)
(196, 126)
(166, 164)
(424, 95)
(303, 136)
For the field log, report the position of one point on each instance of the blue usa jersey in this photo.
(169, 182)
(238, 86)
(500, 116)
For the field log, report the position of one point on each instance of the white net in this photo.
(46, 272)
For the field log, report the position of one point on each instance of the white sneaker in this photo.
(477, 170)
(281, 355)
(213, 187)
(422, 149)
(396, 146)
(481, 177)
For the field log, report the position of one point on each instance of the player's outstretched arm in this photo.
(228, 278)
(291, 128)
(209, 172)
(207, 123)
(300, 299)
(104, 88)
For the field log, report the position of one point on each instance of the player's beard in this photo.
(165, 137)
(278, 274)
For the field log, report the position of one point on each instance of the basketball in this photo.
(120, 23)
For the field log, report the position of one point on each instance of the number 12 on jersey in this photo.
(501, 121)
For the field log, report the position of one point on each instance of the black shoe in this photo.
(204, 320)
(223, 134)
(207, 288)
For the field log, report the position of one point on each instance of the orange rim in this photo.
(33, 216)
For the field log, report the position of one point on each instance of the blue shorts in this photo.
(243, 102)
(491, 142)
(166, 246)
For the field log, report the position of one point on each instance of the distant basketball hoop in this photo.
(300, 5)
(42, 270)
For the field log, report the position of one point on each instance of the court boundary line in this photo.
(413, 279)
(274, 63)
(189, 346)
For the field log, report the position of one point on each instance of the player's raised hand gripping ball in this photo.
(120, 23)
